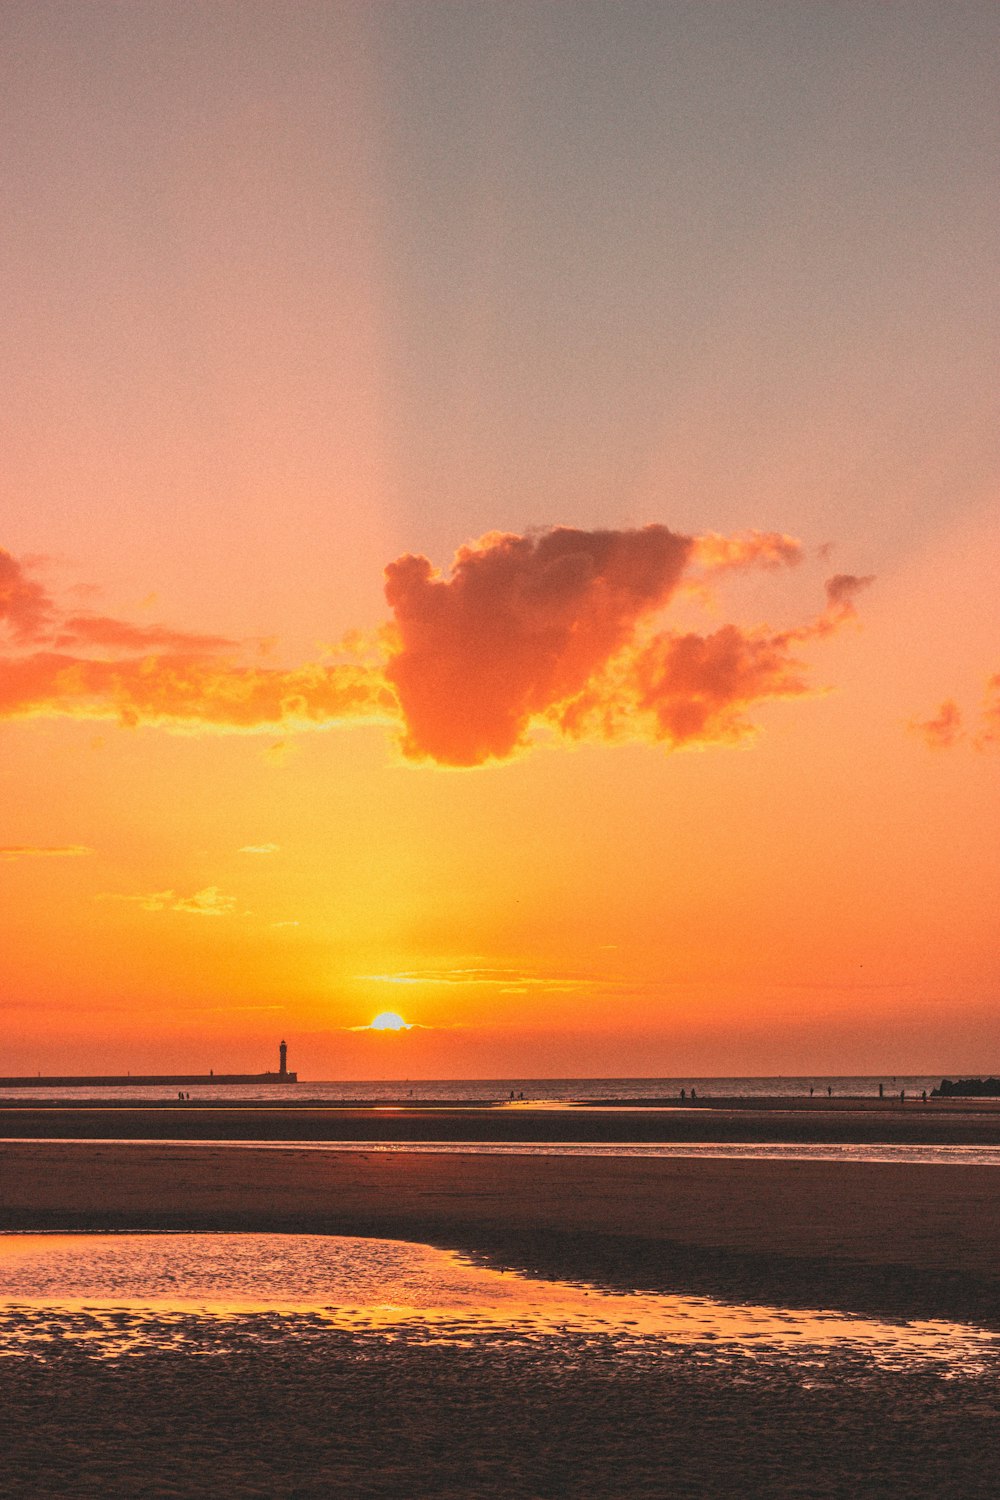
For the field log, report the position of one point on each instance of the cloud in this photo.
(558, 630)
(947, 727)
(842, 591)
(989, 734)
(697, 688)
(259, 849)
(507, 980)
(522, 624)
(120, 635)
(182, 691)
(943, 730)
(766, 549)
(25, 606)
(208, 902)
(48, 851)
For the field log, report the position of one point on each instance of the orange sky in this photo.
(500, 525)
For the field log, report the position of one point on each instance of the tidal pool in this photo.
(112, 1296)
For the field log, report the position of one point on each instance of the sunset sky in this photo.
(500, 524)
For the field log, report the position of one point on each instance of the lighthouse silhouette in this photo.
(283, 1060)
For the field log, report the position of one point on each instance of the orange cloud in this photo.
(180, 691)
(521, 625)
(209, 902)
(551, 629)
(25, 607)
(989, 735)
(767, 549)
(842, 591)
(944, 729)
(120, 635)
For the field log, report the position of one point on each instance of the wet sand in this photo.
(919, 1240)
(292, 1419)
(938, 1122)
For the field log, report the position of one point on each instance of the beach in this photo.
(287, 1411)
(894, 1237)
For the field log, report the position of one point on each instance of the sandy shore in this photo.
(287, 1414)
(907, 1239)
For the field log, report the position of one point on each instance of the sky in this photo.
(499, 524)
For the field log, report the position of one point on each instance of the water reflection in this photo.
(848, 1151)
(107, 1296)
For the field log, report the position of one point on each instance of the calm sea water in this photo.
(536, 1090)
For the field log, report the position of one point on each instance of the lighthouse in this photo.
(283, 1060)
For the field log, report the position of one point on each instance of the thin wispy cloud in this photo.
(506, 980)
(44, 851)
(208, 902)
(259, 849)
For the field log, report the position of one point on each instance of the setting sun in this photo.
(389, 1020)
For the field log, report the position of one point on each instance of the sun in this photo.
(389, 1020)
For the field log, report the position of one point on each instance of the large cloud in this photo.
(522, 624)
(555, 629)
(559, 629)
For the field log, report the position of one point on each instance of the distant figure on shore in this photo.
(923, 1095)
(810, 1091)
(881, 1091)
(829, 1091)
(683, 1095)
(902, 1096)
(694, 1093)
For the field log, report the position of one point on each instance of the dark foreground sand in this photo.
(381, 1421)
(291, 1415)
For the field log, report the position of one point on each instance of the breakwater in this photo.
(143, 1080)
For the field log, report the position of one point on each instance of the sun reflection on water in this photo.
(107, 1296)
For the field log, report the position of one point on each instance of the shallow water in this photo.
(853, 1151)
(111, 1296)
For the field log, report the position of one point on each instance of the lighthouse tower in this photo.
(283, 1060)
